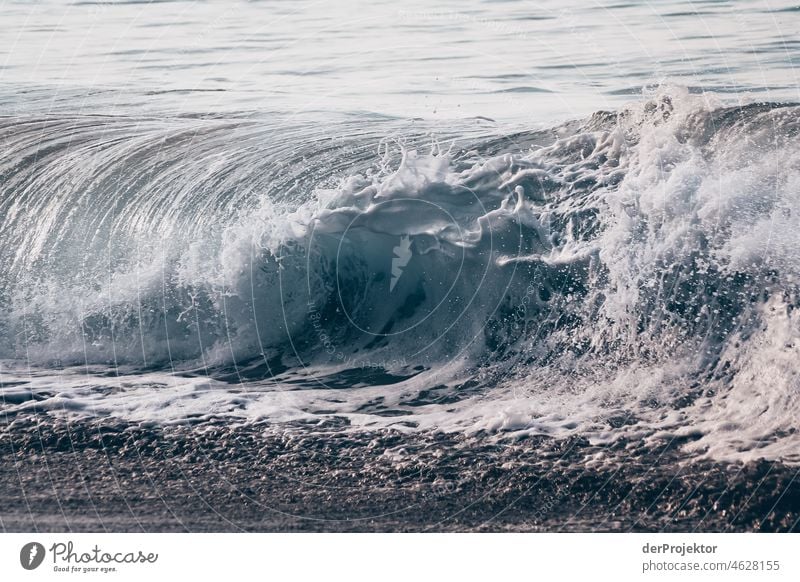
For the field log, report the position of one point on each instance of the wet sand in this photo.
(105, 476)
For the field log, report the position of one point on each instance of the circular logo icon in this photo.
(31, 555)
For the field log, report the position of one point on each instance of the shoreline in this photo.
(101, 475)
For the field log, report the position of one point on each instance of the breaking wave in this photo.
(634, 273)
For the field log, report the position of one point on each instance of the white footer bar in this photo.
(406, 557)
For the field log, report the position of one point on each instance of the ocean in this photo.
(518, 266)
